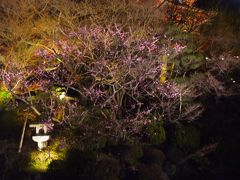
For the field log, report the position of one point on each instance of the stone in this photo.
(41, 139)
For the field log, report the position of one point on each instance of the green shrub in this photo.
(191, 61)
(156, 133)
(5, 97)
(188, 137)
(40, 160)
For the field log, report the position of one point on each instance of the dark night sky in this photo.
(231, 4)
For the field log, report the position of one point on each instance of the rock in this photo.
(132, 154)
(150, 172)
(153, 155)
(106, 168)
(170, 169)
(174, 154)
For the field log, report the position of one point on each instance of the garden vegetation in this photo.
(99, 73)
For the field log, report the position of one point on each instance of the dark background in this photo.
(209, 4)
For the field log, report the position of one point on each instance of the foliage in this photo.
(187, 137)
(5, 97)
(40, 160)
(10, 125)
(109, 70)
(156, 134)
(110, 77)
(188, 18)
(222, 34)
(192, 62)
(124, 72)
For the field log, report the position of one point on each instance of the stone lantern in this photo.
(41, 136)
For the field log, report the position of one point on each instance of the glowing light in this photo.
(62, 95)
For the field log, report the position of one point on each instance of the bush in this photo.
(156, 134)
(108, 74)
(5, 97)
(187, 137)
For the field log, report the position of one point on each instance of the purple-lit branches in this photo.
(111, 68)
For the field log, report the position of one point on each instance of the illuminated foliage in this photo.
(188, 18)
(40, 160)
(100, 74)
(105, 72)
(110, 68)
(5, 97)
(156, 134)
